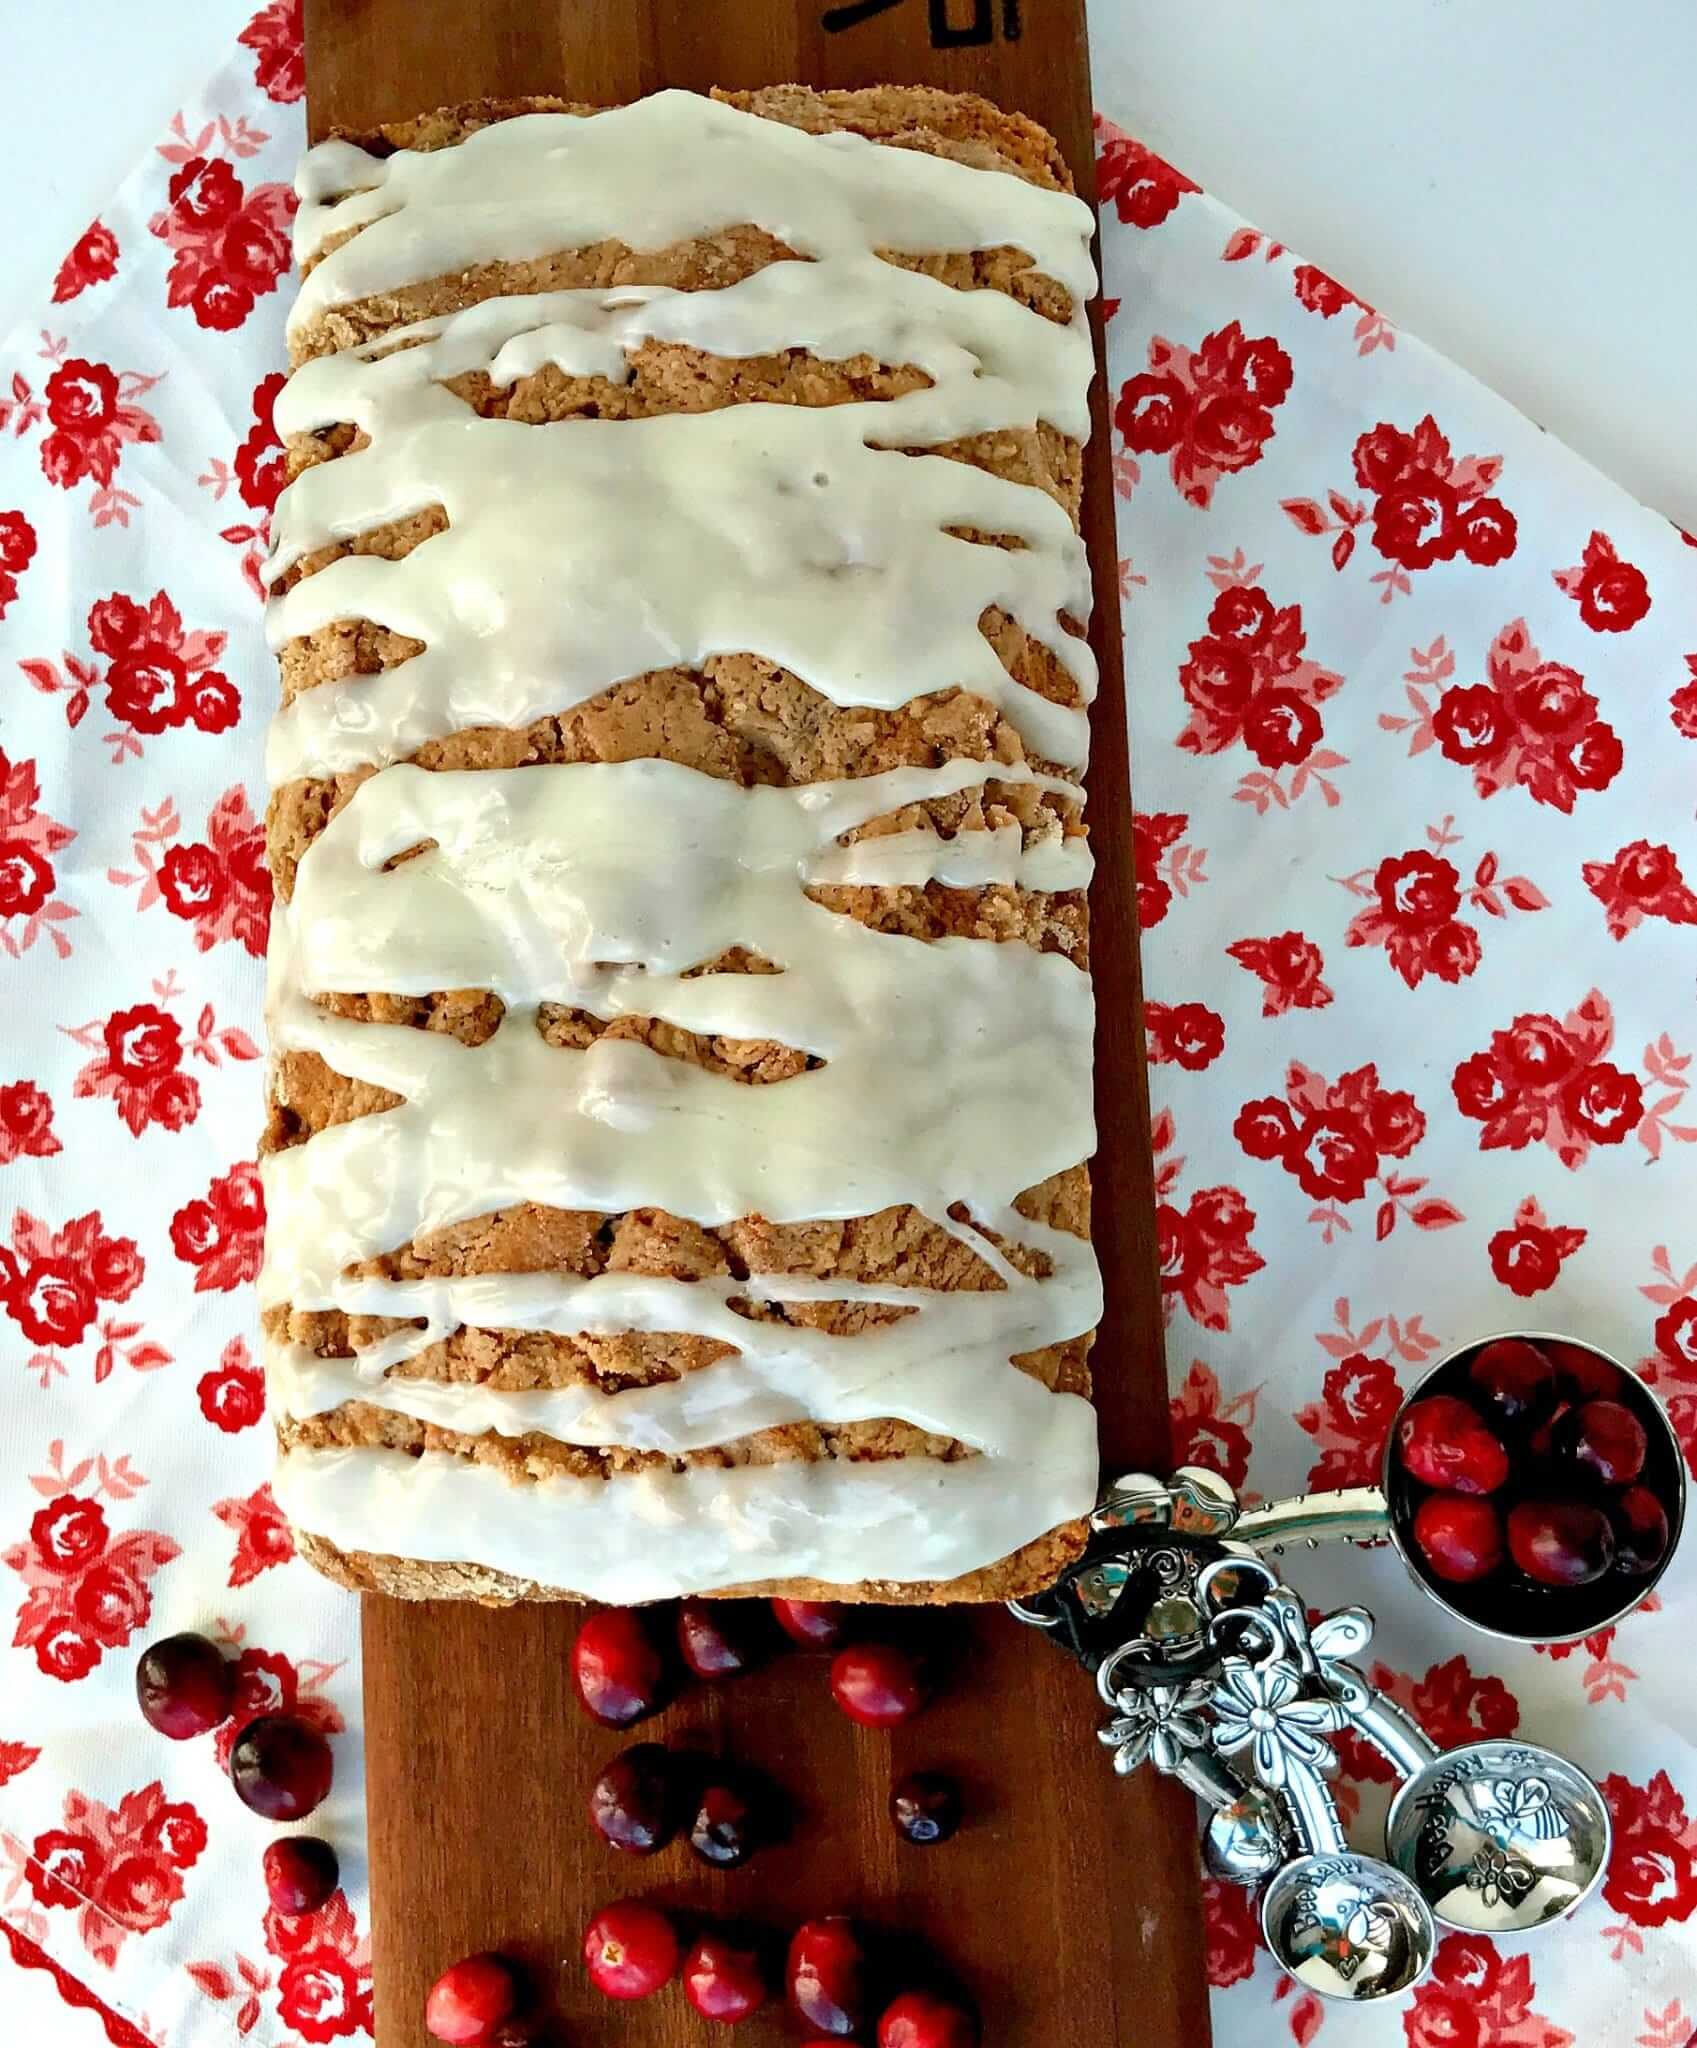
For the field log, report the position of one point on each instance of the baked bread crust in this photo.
(739, 717)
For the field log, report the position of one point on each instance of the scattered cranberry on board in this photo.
(185, 1685)
(822, 1977)
(715, 1639)
(634, 1803)
(877, 1684)
(281, 1768)
(468, 2003)
(729, 1822)
(618, 1669)
(918, 2019)
(630, 1949)
(814, 1624)
(1443, 1442)
(925, 1807)
(1460, 1536)
(301, 1872)
(722, 1977)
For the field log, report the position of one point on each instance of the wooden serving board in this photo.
(1068, 1904)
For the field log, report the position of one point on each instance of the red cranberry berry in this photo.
(919, 2020)
(876, 1684)
(1460, 1537)
(1513, 1377)
(823, 1977)
(1641, 1532)
(630, 1949)
(300, 1874)
(723, 1979)
(815, 1624)
(728, 1825)
(1605, 1440)
(634, 1802)
(1542, 1442)
(715, 1639)
(1446, 1443)
(280, 1767)
(469, 2002)
(925, 1807)
(184, 1686)
(620, 1673)
(1560, 1542)
(1584, 1375)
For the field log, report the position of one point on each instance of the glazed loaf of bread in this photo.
(680, 1015)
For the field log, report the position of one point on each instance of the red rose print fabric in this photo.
(1413, 702)
(141, 467)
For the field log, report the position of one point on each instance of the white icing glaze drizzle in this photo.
(954, 1073)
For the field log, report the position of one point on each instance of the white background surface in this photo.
(1512, 179)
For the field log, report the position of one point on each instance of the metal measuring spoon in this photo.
(1345, 1926)
(1501, 1837)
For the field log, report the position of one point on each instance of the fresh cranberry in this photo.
(1542, 1442)
(919, 2020)
(1604, 1439)
(723, 1979)
(1641, 1532)
(280, 1767)
(184, 1685)
(1460, 1536)
(815, 1624)
(876, 1684)
(1584, 1375)
(1560, 1542)
(1443, 1442)
(925, 1807)
(728, 1825)
(630, 1949)
(620, 1673)
(634, 1802)
(714, 1638)
(300, 1874)
(823, 1976)
(469, 2002)
(1514, 1377)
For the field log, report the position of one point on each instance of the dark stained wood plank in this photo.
(1069, 1903)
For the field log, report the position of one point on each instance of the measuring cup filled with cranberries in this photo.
(1534, 1486)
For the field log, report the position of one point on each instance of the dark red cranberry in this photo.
(876, 1684)
(1444, 1442)
(1513, 1378)
(715, 1638)
(1560, 1542)
(1583, 1374)
(920, 2020)
(815, 1624)
(184, 1685)
(1641, 1532)
(634, 1802)
(630, 1949)
(280, 1767)
(729, 1821)
(1542, 1442)
(823, 1976)
(1460, 1536)
(1605, 1440)
(300, 1874)
(723, 1979)
(925, 1807)
(468, 2003)
(620, 1673)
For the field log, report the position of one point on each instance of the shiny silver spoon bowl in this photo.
(1348, 1926)
(1500, 1837)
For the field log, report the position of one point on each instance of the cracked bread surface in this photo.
(742, 718)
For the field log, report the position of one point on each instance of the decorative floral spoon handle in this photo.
(1393, 1732)
(1350, 1514)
